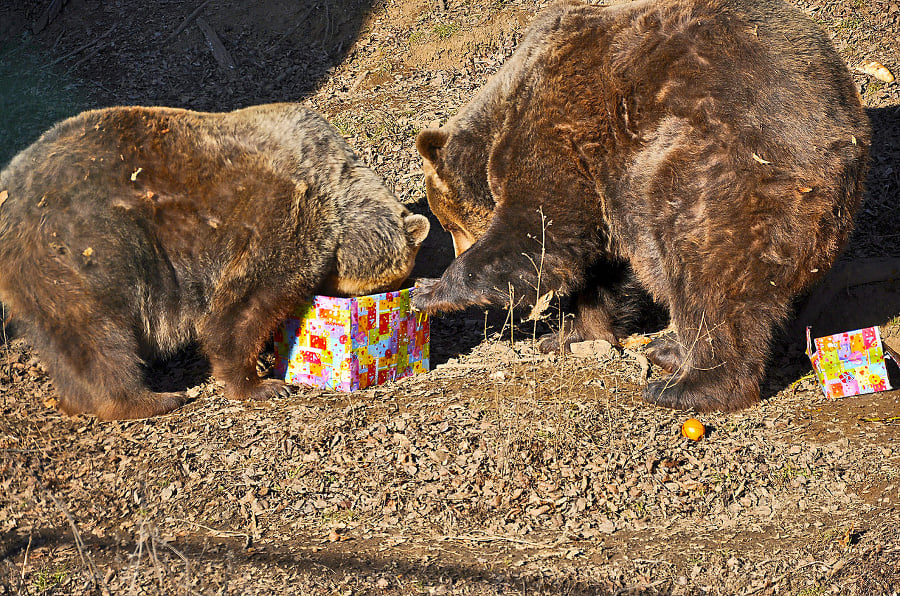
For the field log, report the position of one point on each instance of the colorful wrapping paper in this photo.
(353, 343)
(849, 363)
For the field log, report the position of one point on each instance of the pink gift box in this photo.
(353, 343)
(849, 363)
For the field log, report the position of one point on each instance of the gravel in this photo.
(502, 471)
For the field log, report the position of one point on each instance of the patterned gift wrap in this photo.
(353, 343)
(849, 363)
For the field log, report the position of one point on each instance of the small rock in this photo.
(607, 527)
(597, 348)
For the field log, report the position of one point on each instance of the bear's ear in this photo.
(429, 141)
(416, 227)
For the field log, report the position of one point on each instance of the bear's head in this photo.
(456, 183)
(377, 250)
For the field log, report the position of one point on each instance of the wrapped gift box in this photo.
(353, 343)
(849, 363)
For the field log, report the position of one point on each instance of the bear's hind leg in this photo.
(594, 319)
(605, 308)
(100, 373)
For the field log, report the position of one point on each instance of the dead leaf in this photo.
(542, 304)
(135, 174)
(88, 252)
(4, 194)
(760, 160)
(634, 341)
(876, 69)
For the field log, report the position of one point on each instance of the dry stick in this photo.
(778, 579)
(89, 562)
(157, 566)
(221, 533)
(138, 552)
(85, 46)
(190, 18)
(8, 352)
(86, 57)
(25, 561)
(187, 566)
(215, 44)
(300, 21)
(493, 538)
(51, 13)
(634, 587)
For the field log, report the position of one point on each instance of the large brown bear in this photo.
(126, 232)
(712, 150)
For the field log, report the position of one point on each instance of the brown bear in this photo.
(127, 232)
(710, 151)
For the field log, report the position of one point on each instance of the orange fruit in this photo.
(693, 429)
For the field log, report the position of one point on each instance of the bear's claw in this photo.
(665, 352)
(687, 394)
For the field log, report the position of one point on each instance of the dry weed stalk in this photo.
(147, 534)
(25, 560)
(8, 367)
(86, 559)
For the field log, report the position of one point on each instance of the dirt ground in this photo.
(499, 472)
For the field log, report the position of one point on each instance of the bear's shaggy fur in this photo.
(714, 150)
(127, 232)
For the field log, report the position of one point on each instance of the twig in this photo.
(215, 44)
(634, 587)
(156, 564)
(51, 13)
(85, 46)
(781, 577)
(25, 560)
(300, 22)
(138, 552)
(190, 18)
(223, 533)
(653, 562)
(886, 419)
(469, 537)
(88, 562)
(187, 566)
(86, 57)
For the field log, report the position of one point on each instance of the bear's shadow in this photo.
(179, 371)
(863, 288)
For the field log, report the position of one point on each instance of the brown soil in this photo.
(500, 471)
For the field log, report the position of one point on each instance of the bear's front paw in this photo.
(665, 352)
(559, 341)
(266, 389)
